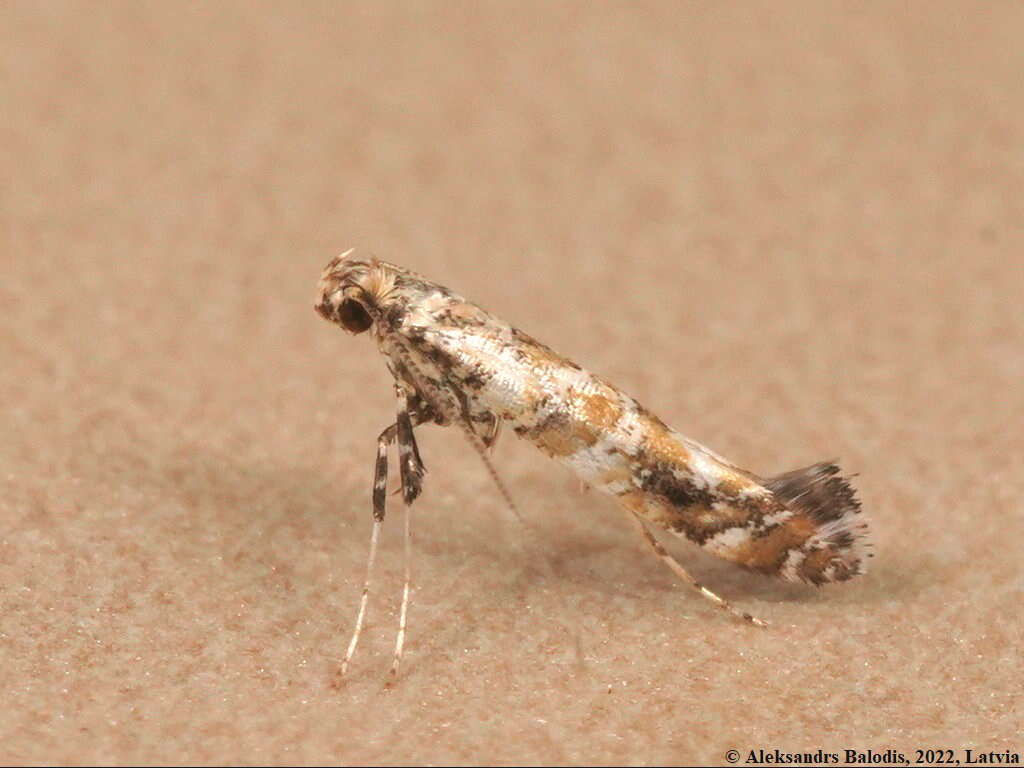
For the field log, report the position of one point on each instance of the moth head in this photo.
(352, 291)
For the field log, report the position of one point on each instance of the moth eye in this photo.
(353, 316)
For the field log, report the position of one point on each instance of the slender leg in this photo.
(412, 466)
(683, 574)
(380, 485)
(480, 446)
(411, 469)
(490, 437)
(400, 639)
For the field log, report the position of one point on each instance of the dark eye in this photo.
(353, 316)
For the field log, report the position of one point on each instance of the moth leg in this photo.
(481, 448)
(490, 437)
(683, 574)
(411, 469)
(410, 466)
(380, 485)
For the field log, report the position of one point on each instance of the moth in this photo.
(455, 364)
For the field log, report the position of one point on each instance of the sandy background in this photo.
(795, 231)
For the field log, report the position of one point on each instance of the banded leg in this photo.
(411, 470)
(450, 406)
(380, 485)
(410, 465)
(683, 574)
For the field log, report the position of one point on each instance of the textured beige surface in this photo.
(795, 231)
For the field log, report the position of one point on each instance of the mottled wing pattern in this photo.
(801, 526)
(472, 367)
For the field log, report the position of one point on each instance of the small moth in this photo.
(454, 363)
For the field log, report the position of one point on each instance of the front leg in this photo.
(411, 469)
(410, 464)
(411, 412)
